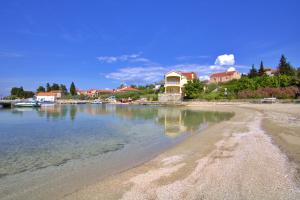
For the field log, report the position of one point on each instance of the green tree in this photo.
(40, 89)
(253, 72)
(193, 88)
(72, 89)
(121, 86)
(48, 87)
(261, 70)
(20, 93)
(63, 89)
(285, 67)
(55, 86)
(27, 94)
(17, 91)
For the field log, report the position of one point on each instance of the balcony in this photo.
(172, 82)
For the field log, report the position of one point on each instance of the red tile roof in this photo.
(127, 89)
(55, 91)
(222, 74)
(189, 75)
(46, 94)
(105, 91)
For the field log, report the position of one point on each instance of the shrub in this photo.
(210, 96)
(280, 93)
(125, 95)
(193, 89)
(211, 87)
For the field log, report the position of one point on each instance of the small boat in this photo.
(27, 103)
(111, 99)
(97, 101)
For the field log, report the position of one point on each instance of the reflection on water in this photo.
(32, 139)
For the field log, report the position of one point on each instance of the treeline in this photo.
(284, 82)
(284, 68)
(60, 87)
(19, 92)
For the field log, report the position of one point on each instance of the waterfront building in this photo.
(175, 81)
(174, 85)
(46, 96)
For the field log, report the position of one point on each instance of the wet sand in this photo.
(255, 155)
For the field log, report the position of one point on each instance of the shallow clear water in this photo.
(99, 138)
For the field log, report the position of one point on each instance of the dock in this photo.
(6, 103)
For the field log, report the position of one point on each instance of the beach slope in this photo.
(235, 159)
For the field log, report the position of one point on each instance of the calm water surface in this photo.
(97, 138)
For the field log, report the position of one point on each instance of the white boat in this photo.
(111, 99)
(97, 101)
(27, 103)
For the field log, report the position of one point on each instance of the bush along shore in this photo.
(283, 84)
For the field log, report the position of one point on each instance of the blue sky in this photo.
(103, 43)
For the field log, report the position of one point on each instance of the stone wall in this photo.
(164, 98)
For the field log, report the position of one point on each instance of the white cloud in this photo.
(122, 58)
(140, 60)
(226, 59)
(149, 72)
(139, 74)
(205, 77)
(216, 67)
(108, 59)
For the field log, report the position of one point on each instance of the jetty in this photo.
(6, 103)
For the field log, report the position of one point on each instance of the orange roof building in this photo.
(46, 96)
(127, 89)
(222, 77)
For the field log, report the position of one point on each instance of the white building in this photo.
(46, 96)
(175, 81)
(174, 85)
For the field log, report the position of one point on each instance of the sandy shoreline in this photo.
(235, 159)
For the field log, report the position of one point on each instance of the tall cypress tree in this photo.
(72, 89)
(284, 67)
(261, 70)
(48, 87)
(253, 72)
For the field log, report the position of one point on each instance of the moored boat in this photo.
(97, 101)
(27, 103)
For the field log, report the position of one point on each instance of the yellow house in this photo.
(174, 81)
